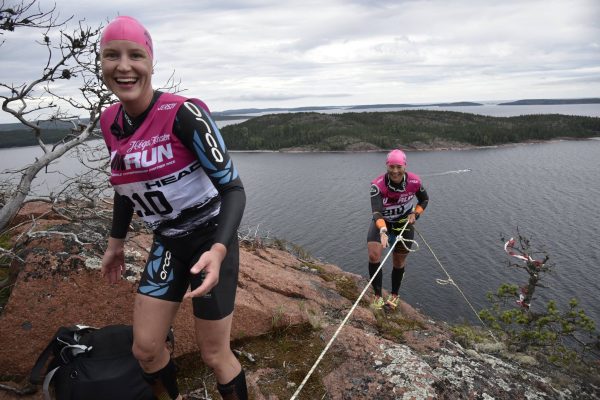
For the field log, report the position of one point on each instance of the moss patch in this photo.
(4, 290)
(468, 335)
(6, 244)
(282, 358)
(344, 285)
(392, 325)
(347, 288)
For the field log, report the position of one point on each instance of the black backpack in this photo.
(91, 364)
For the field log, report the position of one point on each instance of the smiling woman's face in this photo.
(127, 71)
(395, 172)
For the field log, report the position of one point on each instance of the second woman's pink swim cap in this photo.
(127, 28)
(396, 157)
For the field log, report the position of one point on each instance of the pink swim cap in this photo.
(396, 157)
(127, 28)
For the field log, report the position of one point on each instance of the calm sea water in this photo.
(320, 201)
(548, 192)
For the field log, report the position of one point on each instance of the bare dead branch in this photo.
(25, 14)
(10, 254)
(28, 389)
(78, 60)
(50, 233)
(172, 84)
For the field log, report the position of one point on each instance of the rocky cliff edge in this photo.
(287, 309)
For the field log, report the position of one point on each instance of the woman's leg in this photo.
(213, 338)
(375, 249)
(152, 319)
(399, 259)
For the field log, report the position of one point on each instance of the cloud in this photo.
(263, 53)
(284, 96)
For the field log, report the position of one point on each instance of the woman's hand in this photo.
(412, 217)
(113, 261)
(384, 239)
(210, 264)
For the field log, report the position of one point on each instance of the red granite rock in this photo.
(59, 284)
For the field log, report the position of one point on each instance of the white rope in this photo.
(398, 238)
(451, 282)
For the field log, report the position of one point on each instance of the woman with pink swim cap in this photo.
(170, 166)
(393, 196)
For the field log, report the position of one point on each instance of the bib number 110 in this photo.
(151, 203)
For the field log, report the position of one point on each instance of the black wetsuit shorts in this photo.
(393, 230)
(167, 273)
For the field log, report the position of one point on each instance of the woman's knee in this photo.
(374, 253)
(400, 260)
(147, 351)
(212, 357)
(374, 257)
(212, 337)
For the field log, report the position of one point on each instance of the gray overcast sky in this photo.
(264, 53)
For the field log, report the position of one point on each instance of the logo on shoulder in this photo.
(166, 107)
(413, 181)
(374, 190)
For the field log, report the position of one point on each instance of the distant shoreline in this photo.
(453, 147)
(548, 102)
(243, 112)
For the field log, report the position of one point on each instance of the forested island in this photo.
(361, 131)
(419, 129)
(545, 102)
